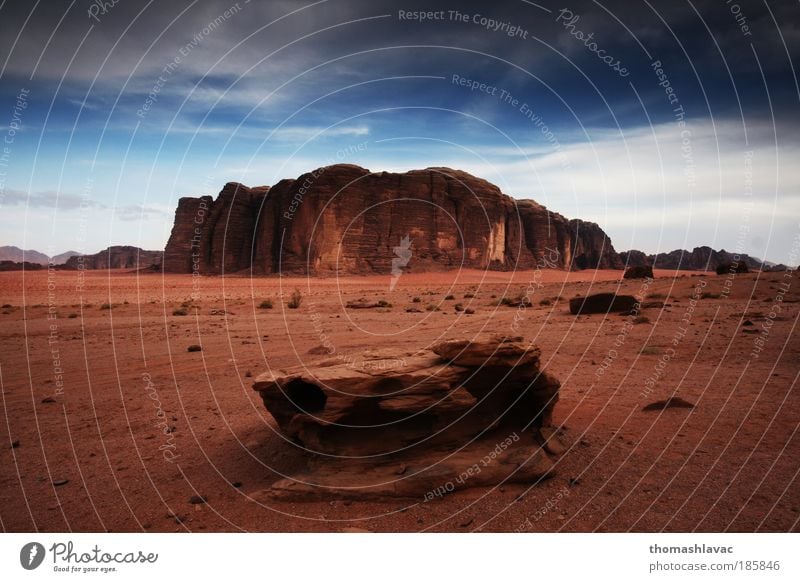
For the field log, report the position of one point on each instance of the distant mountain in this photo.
(698, 259)
(118, 257)
(17, 255)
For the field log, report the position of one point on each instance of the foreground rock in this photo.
(602, 303)
(411, 424)
(346, 219)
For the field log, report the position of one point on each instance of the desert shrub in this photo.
(194, 348)
(72, 315)
(416, 300)
(295, 299)
(432, 307)
(469, 311)
(469, 295)
(449, 298)
(266, 304)
(7, 305)
(459, 307)
(105, 306)
(641, 319)
(709, 295)
(384, 303)
(180, 311)
(545, 302)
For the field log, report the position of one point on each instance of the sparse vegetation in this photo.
(432, 307)
(469, 311)
(709, 295)
(545, 302)
(7, 306)
(72, 315)
(194, 348)
(449, 298)
(641, 319)
(180, 311)
(266, 304)
(384, 303)
(459, 307)
(295, 299)
(469, 295)
(105, 306)
(416, 300)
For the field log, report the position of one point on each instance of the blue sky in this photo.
(125, 111)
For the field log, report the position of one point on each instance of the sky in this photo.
(671, 124)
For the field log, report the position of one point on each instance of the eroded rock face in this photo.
(397, 423)
(345, 219)
(698, 259)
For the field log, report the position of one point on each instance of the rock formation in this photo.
(404, 423)
(345, 219)
(117, 257)
(698, 259)
(732, 267)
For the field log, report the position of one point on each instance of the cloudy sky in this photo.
(671, 124)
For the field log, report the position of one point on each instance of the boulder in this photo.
(602, 303)
(639, 272)
(461, 406)
(732, 267)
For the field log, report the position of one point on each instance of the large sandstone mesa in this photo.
(698, 259)
(345, 219)
(117, 257)
(404, 424)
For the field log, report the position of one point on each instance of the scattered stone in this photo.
(237, 484)
(747, 323)
(602, 303)
(48, 400)
(751, 331)
(467, 522)
(60, 482)
(15, 444)
(672, 402)
(194, 348)
(319, 351)
(198, 499)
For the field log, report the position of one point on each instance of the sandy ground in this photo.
(111, 353)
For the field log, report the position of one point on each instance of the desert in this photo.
(112, 425)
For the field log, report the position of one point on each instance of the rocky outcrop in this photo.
(698, 259)
(404, 423)
(345, 219)
(118, 257)
(732, 267)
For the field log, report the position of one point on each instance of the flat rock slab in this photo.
(435, 413)
(601, 303)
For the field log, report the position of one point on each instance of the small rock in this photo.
(400, 470)
(194, 348)
(747, 323)
(467, 522)
(60, 482)
(15, 444)
(197, 499)
(48, 400)
(573, 481)
(672, 402)
(237, 484)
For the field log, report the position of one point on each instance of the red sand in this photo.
(731, 463)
